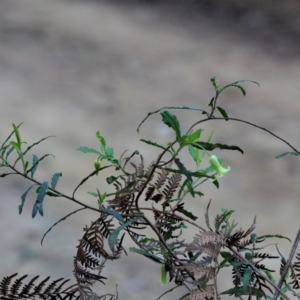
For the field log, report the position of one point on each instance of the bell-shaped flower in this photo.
(217, 166)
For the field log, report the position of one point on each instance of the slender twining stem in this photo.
(259, 272)
(246, 122)
(288, 263)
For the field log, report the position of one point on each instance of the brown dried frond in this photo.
(198, 270)
(203, 294)
(32, 290)
(149, 192)
(172, 185)
(206, 237)
(161, 179)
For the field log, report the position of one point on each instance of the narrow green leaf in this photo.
(11, 149)
(270, 276)
(236, 84)
(10, 135)
(18, 135)
(216, 183)
(172, 121)
(287, 153)
(152, 144)
(101, 140)
(55, 179)
(23, 198)
(15, 145)
(163, 275)
(113, 213)
(188, 214)
(223, 112)
(210, 147)
(211, 102)
(190, 188)
(112, 238)
(38, 206)
(273, 236)
(246, 278)
(146, 240)
(241, 88)
(146, 254)
(35, 163)
(60, 220)
(183, 169)
(195, 135)
(85, 149)
(171, 107)
(215, 83)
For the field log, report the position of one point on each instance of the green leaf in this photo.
(195, 154)
(38, 206)
(241, 88)
(190, 188)
(223, 112)
(172, 121)
(236, 84)
(23, 198)
(163, 275)
(240, 291)
(35, 163)
(215, 83)
(111, 179)
(188, 214)
(270, 276)
(113, 213)
(101, 140)
(18, 135)
(152, 144)
(146, 240)
(246, 278)
(273, 236)
(11, 149)
(183, 169)
(171, 107)
(55, 179)
(195, 135)
(85, 149)
(210, 147)
(216, 183)
(109, 151)
(60, 220)
(287, 153)
(9, 136)
(15, 145)
(146, 254)
(112, 238)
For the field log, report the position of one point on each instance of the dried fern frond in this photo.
(171, 187)
(199, 270)
(202, 294)
(203, 238)
(32, 290)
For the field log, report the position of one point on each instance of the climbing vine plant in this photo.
(153, 197)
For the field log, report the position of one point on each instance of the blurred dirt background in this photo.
(70, 68)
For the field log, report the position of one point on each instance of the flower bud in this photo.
(217, 166)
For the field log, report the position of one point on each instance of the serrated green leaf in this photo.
(171, 107)
(35, 163)
(23, 198)
(109, 151)
(152, 144)
(223, 112)
(172, 121)
(55, 179)
(188, 214)
(60, 220)
(146, 254)
(273, 236)
(287, 153)
(85, 149)
(183, 169)
(112, 238)
(209, 146)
